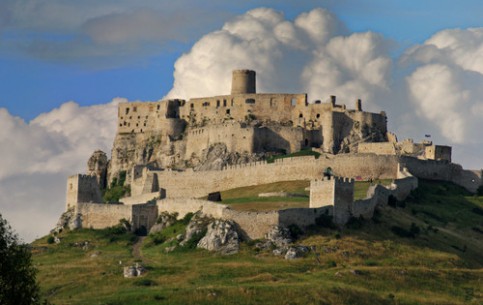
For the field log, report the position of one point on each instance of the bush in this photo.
(295, 231)
(192, 243)
(50, 240)
(413, 231)
(355, 223)
(331, 264)
(479, 192)
(325, 220)
(187, 218)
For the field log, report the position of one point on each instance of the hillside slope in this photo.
(426, 250)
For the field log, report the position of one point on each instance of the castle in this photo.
(174, 152)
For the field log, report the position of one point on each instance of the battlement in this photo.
(82, 188)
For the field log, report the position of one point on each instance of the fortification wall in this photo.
(322, 193)
(82, 188)
(183, 206)
(236, 138)
(198, 184)
(100, 216)
(142, 198)
(144, 215)
(251, 224)
(382, 148)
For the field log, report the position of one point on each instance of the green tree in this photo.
(18, 285)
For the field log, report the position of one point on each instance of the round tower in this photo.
(243, 82)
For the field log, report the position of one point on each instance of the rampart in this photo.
(251, 224)
(100, 216)
(82, 188)
(198, 184)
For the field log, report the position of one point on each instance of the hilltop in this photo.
(424, 250)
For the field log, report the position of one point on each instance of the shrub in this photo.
(187, 218)
(295, 231)
(50, 239)
(479, 192)
(325, 220)
(355, 223)
(195, 239)
(331, 264)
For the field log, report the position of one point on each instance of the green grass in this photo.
(361, 187)
(430, 268)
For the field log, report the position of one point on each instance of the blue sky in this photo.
(32, 83)
(65, 65)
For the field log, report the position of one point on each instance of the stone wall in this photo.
(382, 148)
(198, 184)
(82, 188)
(143, 198)
(100, 216)
(252, 225)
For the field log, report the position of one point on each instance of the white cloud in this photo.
(446, 86)
(38, 156)
(312, 54)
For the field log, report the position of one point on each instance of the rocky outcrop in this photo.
(296, 252)
(164, 220)
(97, 166)
(134, 271)
(217, 156)
(221, 236)
(69, 219)
(280, 236)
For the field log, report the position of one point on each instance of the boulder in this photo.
(69, 219)
(134, 271)
(195, 227)
(164, 220)
(279, 236)
(296, 252)
(221, 236)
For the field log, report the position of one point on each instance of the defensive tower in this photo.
(243, 82)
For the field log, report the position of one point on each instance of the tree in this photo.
(17, 275)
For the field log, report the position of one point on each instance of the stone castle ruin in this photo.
(172, 153)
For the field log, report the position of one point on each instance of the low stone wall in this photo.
(100, 215)
(138, 199)
(378, 195)
(251, 224)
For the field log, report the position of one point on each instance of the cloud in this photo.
(446, 86)
(103, 33)
(38, 156)
(313, 54)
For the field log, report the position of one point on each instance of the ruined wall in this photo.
(100, 216)
(236, 136)
(252, 225)
(82, 188)
(143, 198)
(321, 193)
(183, 206)
(438, 152)
(198, 184)
(382, 148)
(144, 215)
(343, 199)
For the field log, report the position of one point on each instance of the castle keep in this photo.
(172, 153)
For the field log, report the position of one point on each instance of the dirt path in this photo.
(136, 250)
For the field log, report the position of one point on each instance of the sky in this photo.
(65, 65)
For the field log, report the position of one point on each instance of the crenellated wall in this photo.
(82, 188)
(198, 184)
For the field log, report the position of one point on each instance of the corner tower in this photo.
(243, 82)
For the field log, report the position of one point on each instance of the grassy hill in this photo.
(426, 250)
